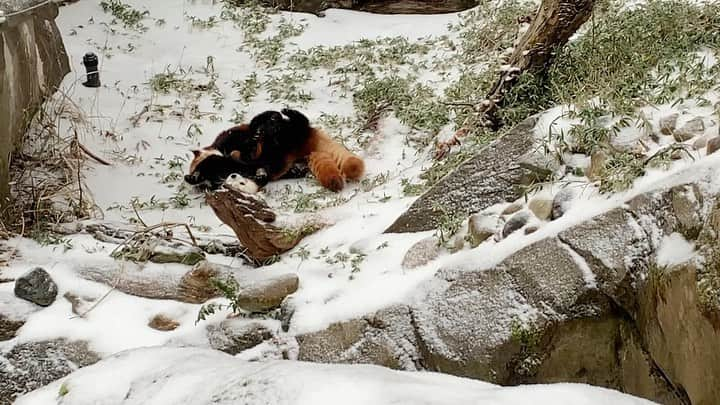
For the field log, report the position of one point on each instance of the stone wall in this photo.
(33, 62)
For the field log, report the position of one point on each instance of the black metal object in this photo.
(90, 60)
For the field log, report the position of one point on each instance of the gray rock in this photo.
(482, 226)
(37, 287)
(265, 294)
(541, 207)
(166, 252)
(562, 202)
(466, 326)
(586, 306)
(515, 222)
(490, 177)
(511, 209)
(236, 335)
(540, 165)
(531, 229)
(713, 145)
(691, 129)
(287, 310)
(668, 124)
(700, 143)
(616, 250)
(421, 253)
(385, 338)
(161, 251)
(687, 202)
(79, 305)
(29, 366)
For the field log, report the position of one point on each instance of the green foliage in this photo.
(200, 23)
(622, 168)
(246, 89)
(46, 237)
(171, 81)
(288, 87)
(292, 234)
(413, 103)
(411, 189)
(489, 28)
(628, 55)
(130, 17)
(449, 224)
(229, 289)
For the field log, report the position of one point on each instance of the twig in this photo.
(460, 104)
(94, 156)
(79, 180)
(137, 214)
(135, 119)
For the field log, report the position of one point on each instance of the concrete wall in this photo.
(33, 62)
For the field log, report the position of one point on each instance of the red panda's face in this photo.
(208, 169)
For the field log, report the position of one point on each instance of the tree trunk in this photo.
(552, 27)
(376, 6)
(250, 218)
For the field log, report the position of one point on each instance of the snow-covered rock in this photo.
(162, 376)
(489, 177)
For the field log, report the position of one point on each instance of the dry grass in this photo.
(46, 182)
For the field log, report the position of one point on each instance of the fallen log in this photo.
(375, 6)
(256, 290)
(158, 282)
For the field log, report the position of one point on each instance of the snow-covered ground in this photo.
(162, 376)
(346, 270)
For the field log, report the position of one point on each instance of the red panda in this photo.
(275, 145)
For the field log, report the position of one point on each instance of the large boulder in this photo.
(629, 299)
(29, 366)
(680, 338)
(385, 338)
(235, 335)
(168, 376)
(490, 177)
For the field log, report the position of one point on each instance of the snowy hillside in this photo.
(175, 73)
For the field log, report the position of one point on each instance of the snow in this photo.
(588, 274)
(198, 376)
(675, 249)
(331, 289)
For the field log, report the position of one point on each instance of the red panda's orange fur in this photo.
(330, 162)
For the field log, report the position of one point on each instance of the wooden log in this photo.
(250, 218)
(159, 283)
(375, 6)
(257, 290)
